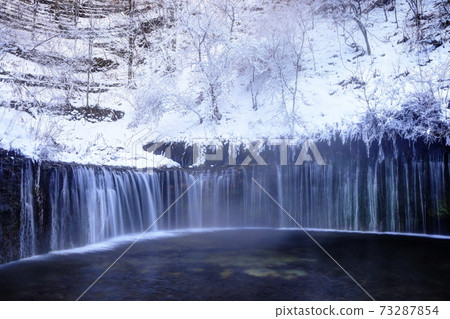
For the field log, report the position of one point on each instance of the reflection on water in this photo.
(248, 264)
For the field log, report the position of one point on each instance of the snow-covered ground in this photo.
(336, 84)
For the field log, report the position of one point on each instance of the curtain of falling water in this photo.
(88, 205)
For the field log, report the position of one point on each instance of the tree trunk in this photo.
(131, 41)
(215, 108)
(364, 32)
(91, 44)
(88, 86)
(254, 91)
(395, 12)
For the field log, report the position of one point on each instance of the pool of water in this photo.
(239, 264)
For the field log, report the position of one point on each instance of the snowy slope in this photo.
(237, 56)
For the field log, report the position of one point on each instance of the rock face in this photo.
(282, 152)
(392, 186)
(10, 205)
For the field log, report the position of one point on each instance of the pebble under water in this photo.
(240, 264)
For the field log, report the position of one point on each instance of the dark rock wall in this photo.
(10, 204)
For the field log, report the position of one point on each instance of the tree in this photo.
(416, 7)
(343, 11)
(282, 54)
(208, 43)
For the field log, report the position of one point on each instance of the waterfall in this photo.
(27, 223)
(90, 205)
(66, 205)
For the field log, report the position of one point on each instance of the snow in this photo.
(166, 108)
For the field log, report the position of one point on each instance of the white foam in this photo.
(367, 232)
(128, 239)
(115, 242)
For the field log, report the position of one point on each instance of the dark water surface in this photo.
(246, 264)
